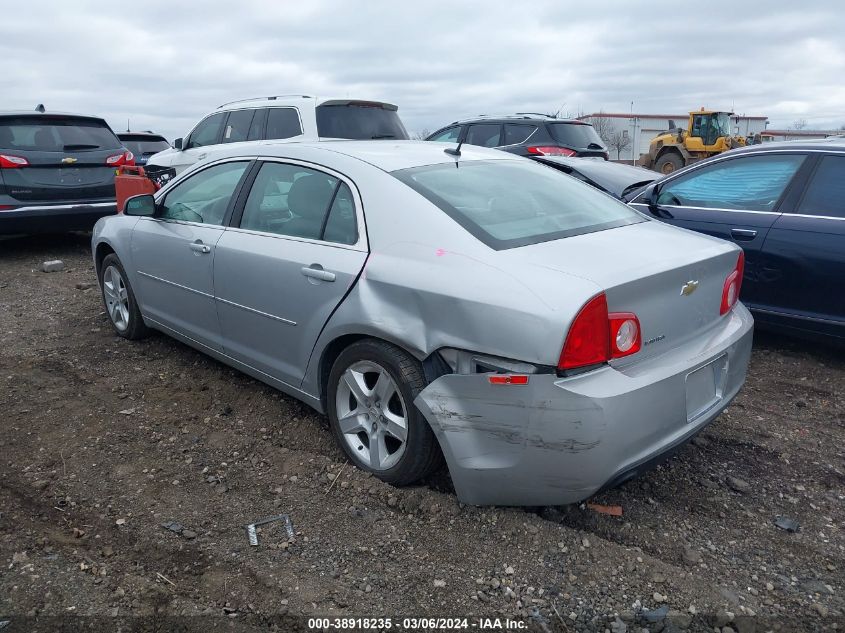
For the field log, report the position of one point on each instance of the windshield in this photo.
(144, 145)
(362, 121)
(54, 134)
(510, 203)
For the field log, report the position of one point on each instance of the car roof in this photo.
(288, 100)
(516, 118)
(142, 133)
(831, 143)
(35, 113)
(383, 154)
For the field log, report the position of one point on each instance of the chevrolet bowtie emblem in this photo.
(688, 288)
(69, 160)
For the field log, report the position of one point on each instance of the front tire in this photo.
(668, 163)
(370, 404)
(119, 300)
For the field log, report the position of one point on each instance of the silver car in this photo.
(461, 303)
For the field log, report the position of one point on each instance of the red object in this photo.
(543, 150)
(131, 181)
(630, 341)
(588, 340)
(508, 379)
(614, 511)
(733, 284)
(126, 158)
(594, 336)
(7, 207)
(7, 161)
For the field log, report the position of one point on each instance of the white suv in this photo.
(289, 117)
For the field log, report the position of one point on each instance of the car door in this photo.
(484, 134)
(194, 148)
(736, 199)
(292, 253)
(803, 259)
(173, 252)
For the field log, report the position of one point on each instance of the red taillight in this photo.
(625, 336)
(597, 336)
(7, 207)
(543, 150)
(588, 340)
(7, 161)
(733, 284)
(127, 158)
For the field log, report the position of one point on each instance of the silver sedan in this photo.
(439, 302)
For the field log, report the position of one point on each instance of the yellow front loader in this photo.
(708, 133)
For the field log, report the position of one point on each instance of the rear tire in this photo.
(370, 404)
(668, 163)
(119, 300)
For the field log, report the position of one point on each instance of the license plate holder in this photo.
(705, 387)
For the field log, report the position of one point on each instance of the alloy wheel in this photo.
(372, 414)
(117, 297)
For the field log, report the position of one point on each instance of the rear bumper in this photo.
(560, 440)
(54, 218)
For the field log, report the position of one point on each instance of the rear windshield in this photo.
(510, 203)
(577, 135)
(360, 122)
(144, 145)
(52, 134)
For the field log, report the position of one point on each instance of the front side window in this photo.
(296, 201)
(237, 126)
(207, 132)
(484, 134)
(749, 183)
(449, 135)
(826, 193)
(511, 203)
(283, 123)
(205, 196)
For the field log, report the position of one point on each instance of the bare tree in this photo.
(421, 135)
(620, 141)
(604, 127)
(800, 124)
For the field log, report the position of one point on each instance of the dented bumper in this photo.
(560, 440)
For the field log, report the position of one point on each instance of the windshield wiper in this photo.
(74, 146)
(378, 136)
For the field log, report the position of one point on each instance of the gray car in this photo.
(544, 338)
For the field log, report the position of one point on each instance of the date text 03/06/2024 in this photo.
(416, 624)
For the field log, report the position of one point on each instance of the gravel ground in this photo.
(104, 442)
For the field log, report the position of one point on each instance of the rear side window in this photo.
(516, 133)
(447, 136)
(749, 183)
(297, 201)
(55, 134)
(484, 134)
(207, 132)
(510, 203)
(576, 135)
(826, 192)
(237, 126)
(283, 123)
(359, 121)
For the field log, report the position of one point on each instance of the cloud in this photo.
(163, 65)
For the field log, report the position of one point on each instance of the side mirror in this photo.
(177, 144)
(141, 205)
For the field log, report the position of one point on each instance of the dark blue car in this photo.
(784, 204)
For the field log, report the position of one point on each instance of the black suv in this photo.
(56, 171)
(143, 144)
(526, 134)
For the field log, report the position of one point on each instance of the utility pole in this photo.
(633, 136)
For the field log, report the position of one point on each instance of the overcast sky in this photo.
(163, 65)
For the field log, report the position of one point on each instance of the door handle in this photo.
(315, 271)
(743, 235)
(199, 247)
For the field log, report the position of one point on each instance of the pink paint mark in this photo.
(440, 252)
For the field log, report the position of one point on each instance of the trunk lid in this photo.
(644, 268)
(66, 158)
